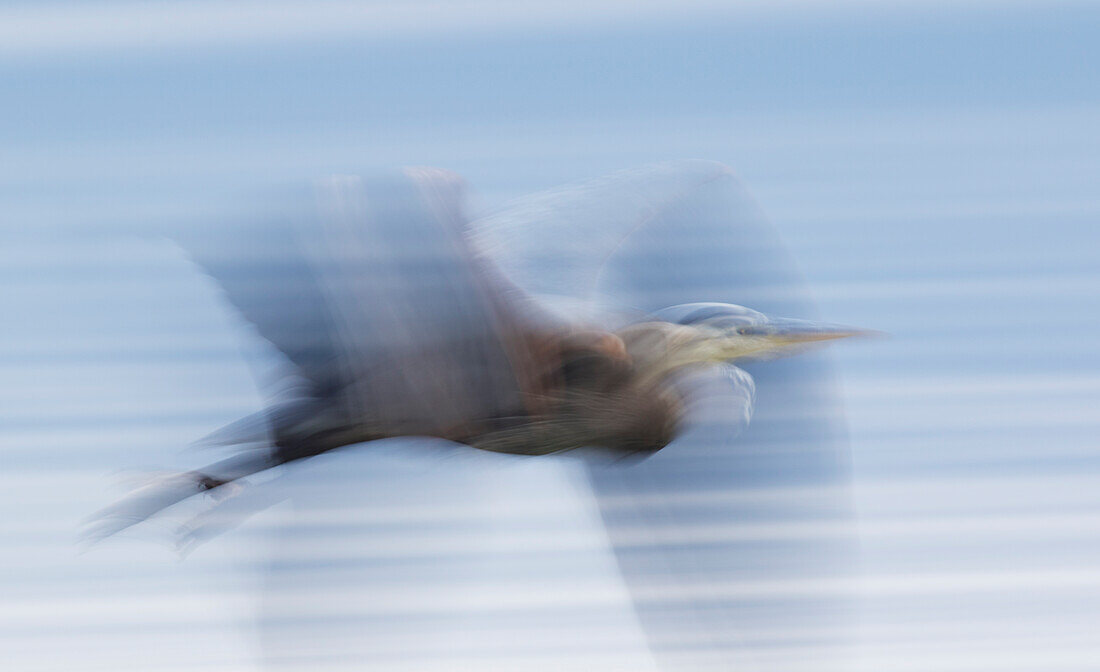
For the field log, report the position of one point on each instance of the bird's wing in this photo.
(638, 240)
(682, 233)
(373, 294)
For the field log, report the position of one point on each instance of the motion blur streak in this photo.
(931, 173)
(44, 28)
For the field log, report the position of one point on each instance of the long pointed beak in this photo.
(781, 337)
(784, 332)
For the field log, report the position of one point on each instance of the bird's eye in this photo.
(742, 330)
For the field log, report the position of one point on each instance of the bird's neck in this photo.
(660, 349)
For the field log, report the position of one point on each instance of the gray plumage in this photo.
(516, 333)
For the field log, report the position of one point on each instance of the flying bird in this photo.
(396, 316)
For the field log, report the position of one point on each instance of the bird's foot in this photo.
(145, 501)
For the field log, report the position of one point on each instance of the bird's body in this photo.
(398, 318)
(600, 390)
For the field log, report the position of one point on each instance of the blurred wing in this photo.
(564, 245)
(374, 296)
(721, 395)
(690, 525)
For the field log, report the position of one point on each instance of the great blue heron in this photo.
(398, 317)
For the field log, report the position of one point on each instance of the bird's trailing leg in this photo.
(234, 503)
(220, 479)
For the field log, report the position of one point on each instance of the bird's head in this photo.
(730, 333)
